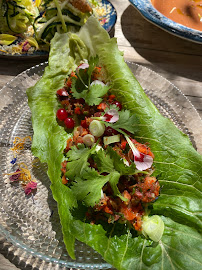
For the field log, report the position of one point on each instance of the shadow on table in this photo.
(160, 47)
(12, 65)
(13, 260)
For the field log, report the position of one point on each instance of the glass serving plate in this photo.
(29, 225)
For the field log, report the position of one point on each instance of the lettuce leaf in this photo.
(177, 163)
(49, 138)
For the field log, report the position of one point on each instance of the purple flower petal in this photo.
(26, 46)
(30, 187)
(15, 177)
(111, 116)
(13, 161)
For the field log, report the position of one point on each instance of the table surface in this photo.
(176, 59)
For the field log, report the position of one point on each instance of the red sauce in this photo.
(186, 12)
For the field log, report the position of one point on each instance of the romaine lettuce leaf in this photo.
(177, 163)
(49, 138)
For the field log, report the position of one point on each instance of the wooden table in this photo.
(178, 60)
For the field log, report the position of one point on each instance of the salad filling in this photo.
(113, 171)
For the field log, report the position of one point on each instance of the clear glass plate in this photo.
(29, 225)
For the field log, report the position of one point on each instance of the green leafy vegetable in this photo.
(78, 160)
(126, 122)
(119, 164)
(89, 189)
(177, 163)
(49, 138)
(103, 161)
(93, 62)
(88, 183)
(91, 93)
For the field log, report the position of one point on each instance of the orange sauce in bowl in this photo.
(186, 12)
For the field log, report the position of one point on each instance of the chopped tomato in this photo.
(128, 213)
(84, 123)
(62, 92)
(73, 74)
(77, 110)
(79, 140)
(108, 210)
(64, 164)
(69, 80)
(143, 148)
(69, 144)
(85, 132)
(127, 195)
(64, 180)
(148, 190)
(111, 98)
(102, 106)
(69, 83)
(123, 144)
(138, 224)
(96, 73)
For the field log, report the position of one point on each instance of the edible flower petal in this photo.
(18, 144)
(15, 176)
(111, 116)
(26, 46)
(13, 161)
(37, 3)
(82, 66)
(142, 161)
(30, 187)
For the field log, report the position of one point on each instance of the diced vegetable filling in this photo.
(101, 146)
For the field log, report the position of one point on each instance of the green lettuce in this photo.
(177, 164)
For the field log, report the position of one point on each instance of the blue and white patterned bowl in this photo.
(148, 11)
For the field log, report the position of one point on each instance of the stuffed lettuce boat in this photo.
(127, 182)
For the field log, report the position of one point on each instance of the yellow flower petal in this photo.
(37, 3)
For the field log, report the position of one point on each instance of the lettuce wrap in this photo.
(177, 164)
